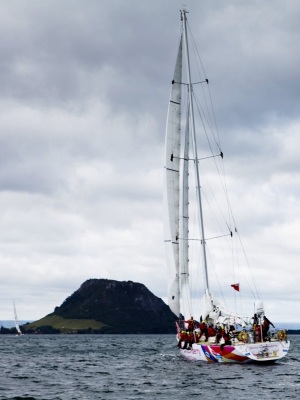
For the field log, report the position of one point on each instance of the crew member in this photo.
(203, 330)
(211, 332)
(220, 334)
(227, 340)
(265, 327)
(182, 339)
(190, 339)
(257, 333)
(190, 324)
(255, 321)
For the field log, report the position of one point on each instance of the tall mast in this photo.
(199, 203)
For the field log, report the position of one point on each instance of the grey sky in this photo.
(84, 95)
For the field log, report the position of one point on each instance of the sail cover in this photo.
(171, 195)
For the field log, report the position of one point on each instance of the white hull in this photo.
(239, 353)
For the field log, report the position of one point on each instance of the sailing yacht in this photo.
(19, 332)
(233, 336)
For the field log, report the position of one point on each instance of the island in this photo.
(104, 306)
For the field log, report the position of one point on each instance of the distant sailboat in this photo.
(19, 332)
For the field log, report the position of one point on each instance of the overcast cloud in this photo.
(84, 96)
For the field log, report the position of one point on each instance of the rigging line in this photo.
(219, 141)
(241, 269)
(221, 229)
(201, 113)
(214, 116)
(216, 142)
(222, 179)
(224, 184)
(221, 244)
(241, 244)
(205, 130)
(231, 216)
(218, 224)
(212, 119)
(215, 219)
(207, 119)
(216, 201)
(249, 266)
(205, 80)
(210, 97)
(216, 276)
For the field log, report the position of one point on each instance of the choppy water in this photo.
(133, 367)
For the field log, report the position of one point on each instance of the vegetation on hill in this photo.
(56, 324)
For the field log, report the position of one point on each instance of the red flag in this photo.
(236, 286)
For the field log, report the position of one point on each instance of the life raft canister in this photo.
(243, 336)
(281, 335)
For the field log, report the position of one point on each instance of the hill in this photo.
(108, 306)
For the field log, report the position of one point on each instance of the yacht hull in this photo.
(265, 352)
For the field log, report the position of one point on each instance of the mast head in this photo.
(183, 12)
(184, 9)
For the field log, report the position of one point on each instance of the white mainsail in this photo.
(171, 195)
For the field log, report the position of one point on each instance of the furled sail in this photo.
(171, 195)
(185, 306)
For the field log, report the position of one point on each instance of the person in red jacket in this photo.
(190, 339)
(197, 336)
(203, 330)
(182, 339)
(211, 332)
(227, 340)
(220, 334)
(257, 333)
(190, 324)
(265, 327)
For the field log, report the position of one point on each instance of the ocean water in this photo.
(133, 367)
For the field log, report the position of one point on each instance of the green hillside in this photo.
(62, 325)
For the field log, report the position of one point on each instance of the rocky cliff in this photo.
(108, 306)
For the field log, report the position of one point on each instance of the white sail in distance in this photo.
(17, 321)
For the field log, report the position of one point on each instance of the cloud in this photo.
(84, 94)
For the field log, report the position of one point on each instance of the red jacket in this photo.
(183, 335)
(191, 324)
(211, 332)
(203, 327)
